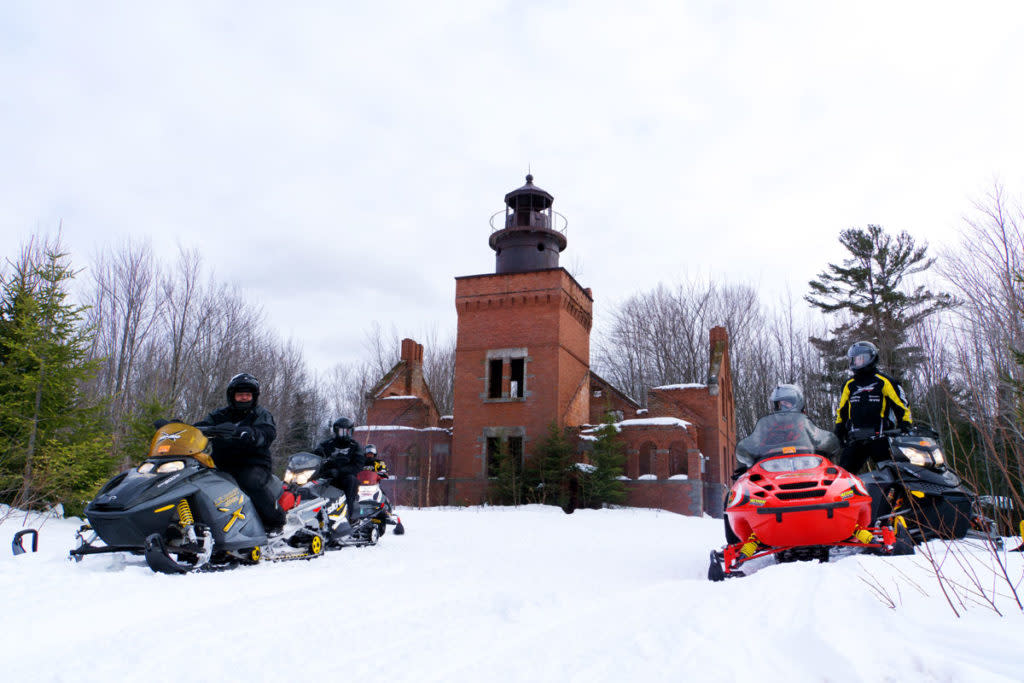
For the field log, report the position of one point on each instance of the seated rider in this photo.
(242, 449)
(786, 427)
(343, 459)
(374, 462)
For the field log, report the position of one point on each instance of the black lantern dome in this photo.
(532, 235)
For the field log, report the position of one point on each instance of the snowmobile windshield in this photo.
(777, 434)
(301, 468)
(303, 461)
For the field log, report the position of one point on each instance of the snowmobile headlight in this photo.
(939, 457)
(801, 462)
(300, 478)
(916, 456)
(145, 468)
(172, 466)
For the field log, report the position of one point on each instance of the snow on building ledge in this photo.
(397, 428)
(692, 385)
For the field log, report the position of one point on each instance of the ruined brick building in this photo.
(522, 361)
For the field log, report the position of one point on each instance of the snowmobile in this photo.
(916, 484)
(795, 503)
(374, 503)
(184, 515)
(302, 482)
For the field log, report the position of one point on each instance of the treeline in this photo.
(81, 382)
(82, 378)
(950, 328)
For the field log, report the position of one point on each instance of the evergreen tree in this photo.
(601, 484)
(506, 472)
(547, 468)
(869, 292)
(54, 447)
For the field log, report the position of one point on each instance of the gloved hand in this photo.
(245, 434)
(904, 428)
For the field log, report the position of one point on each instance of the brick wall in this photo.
(545, 315)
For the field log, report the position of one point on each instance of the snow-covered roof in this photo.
(386, 428)
(692, 385)
(391, 398)
(657, 421)
(587, 430)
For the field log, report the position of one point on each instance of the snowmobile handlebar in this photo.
(869, 434)
(223, 430)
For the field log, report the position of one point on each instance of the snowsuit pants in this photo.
(855, 455)
(350, 485)
(254, 481)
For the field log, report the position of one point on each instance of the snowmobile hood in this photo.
(151, 479)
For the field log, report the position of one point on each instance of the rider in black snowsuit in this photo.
(242, 449)
(343, 459)
(870, 399)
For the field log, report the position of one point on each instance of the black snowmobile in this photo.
(185, 515)
(917, 485)
(302, 484)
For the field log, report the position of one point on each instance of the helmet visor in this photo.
(860, 360)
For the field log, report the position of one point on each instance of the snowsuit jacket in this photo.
(233, 454)
(872, 399)
(341, 456)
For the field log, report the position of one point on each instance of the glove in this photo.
(245, 434)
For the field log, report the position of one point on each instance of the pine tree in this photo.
(602, 485)
(54, 446)
(547, 468)
(869, 288)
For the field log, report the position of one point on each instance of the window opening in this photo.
(494, 369)
(517, 369)
(493, 451)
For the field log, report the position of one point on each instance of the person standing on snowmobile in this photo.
(343, 458)
(870, 399)
(241, 446)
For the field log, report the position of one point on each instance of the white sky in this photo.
(340, 161)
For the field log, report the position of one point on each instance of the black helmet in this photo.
(862, 355)
(370, 451)
(243, 381)
(787, 398)
(343, 426)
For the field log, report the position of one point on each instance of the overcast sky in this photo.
(340, 161)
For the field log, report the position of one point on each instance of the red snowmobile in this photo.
(790, 500)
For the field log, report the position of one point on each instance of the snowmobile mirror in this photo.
(16, 546)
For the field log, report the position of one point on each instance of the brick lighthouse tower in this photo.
(522, 358)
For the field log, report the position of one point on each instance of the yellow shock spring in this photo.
(750, 547)
(184, 513)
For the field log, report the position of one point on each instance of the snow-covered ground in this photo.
(505, 594)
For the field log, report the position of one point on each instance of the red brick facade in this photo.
(522, 363)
